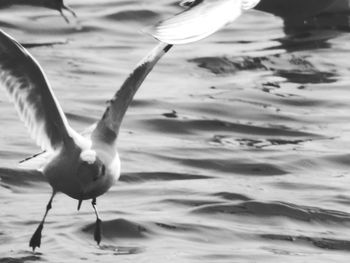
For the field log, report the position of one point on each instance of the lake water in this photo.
(235, 149)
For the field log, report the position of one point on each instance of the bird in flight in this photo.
(81, 166)
(50, 4)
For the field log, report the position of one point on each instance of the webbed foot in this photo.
(35, 241)
(98, 231)
(98, 224)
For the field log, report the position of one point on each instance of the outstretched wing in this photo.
(27, 87)
(107, 128)
(201, 19)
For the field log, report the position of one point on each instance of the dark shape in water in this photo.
(51, 4)
(172, 114)
(288, 9)
(296, 69)
(119, 228)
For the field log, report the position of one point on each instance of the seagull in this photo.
(51, 4)
(204, 17)
(80, 166)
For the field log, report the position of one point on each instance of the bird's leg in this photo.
(79, 204)
(35, 241)
(98, 228)
(70, 10)
(64, 17)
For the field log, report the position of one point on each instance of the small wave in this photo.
(20, 177)
(235, 166)
(185, 228)
(158, 176)
(180, 126)
(232, 196)
(279, 209)
(324, 243)
(20, 259)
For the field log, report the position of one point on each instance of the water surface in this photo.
(235, 149)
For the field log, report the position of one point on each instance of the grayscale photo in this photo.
(193, 131)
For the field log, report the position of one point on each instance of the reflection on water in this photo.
(235, 149)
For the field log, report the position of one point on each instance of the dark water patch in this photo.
(296, 69)
(134, 15)
(313, 77)
(342, 199)
(187, 228)
(4, 24)
(302, 102)
(324, 243)
(232, 196)
(278, 209)
(178, 126)
(158, 176)
(341, 159)
(44, 44)
(20, 177)
(255, 143)
(119, 228)
(62, 31)
(172, 114)
(235, 167)
(224, 65)
(304, 186)
(20, 259)
(259, 144)
(173, 227)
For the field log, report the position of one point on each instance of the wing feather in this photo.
(107, 129)
(27, 87)
(200, 20)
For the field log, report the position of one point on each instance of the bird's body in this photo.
(57, 5)
(81, 166)
(82, 173)
(204, 17)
